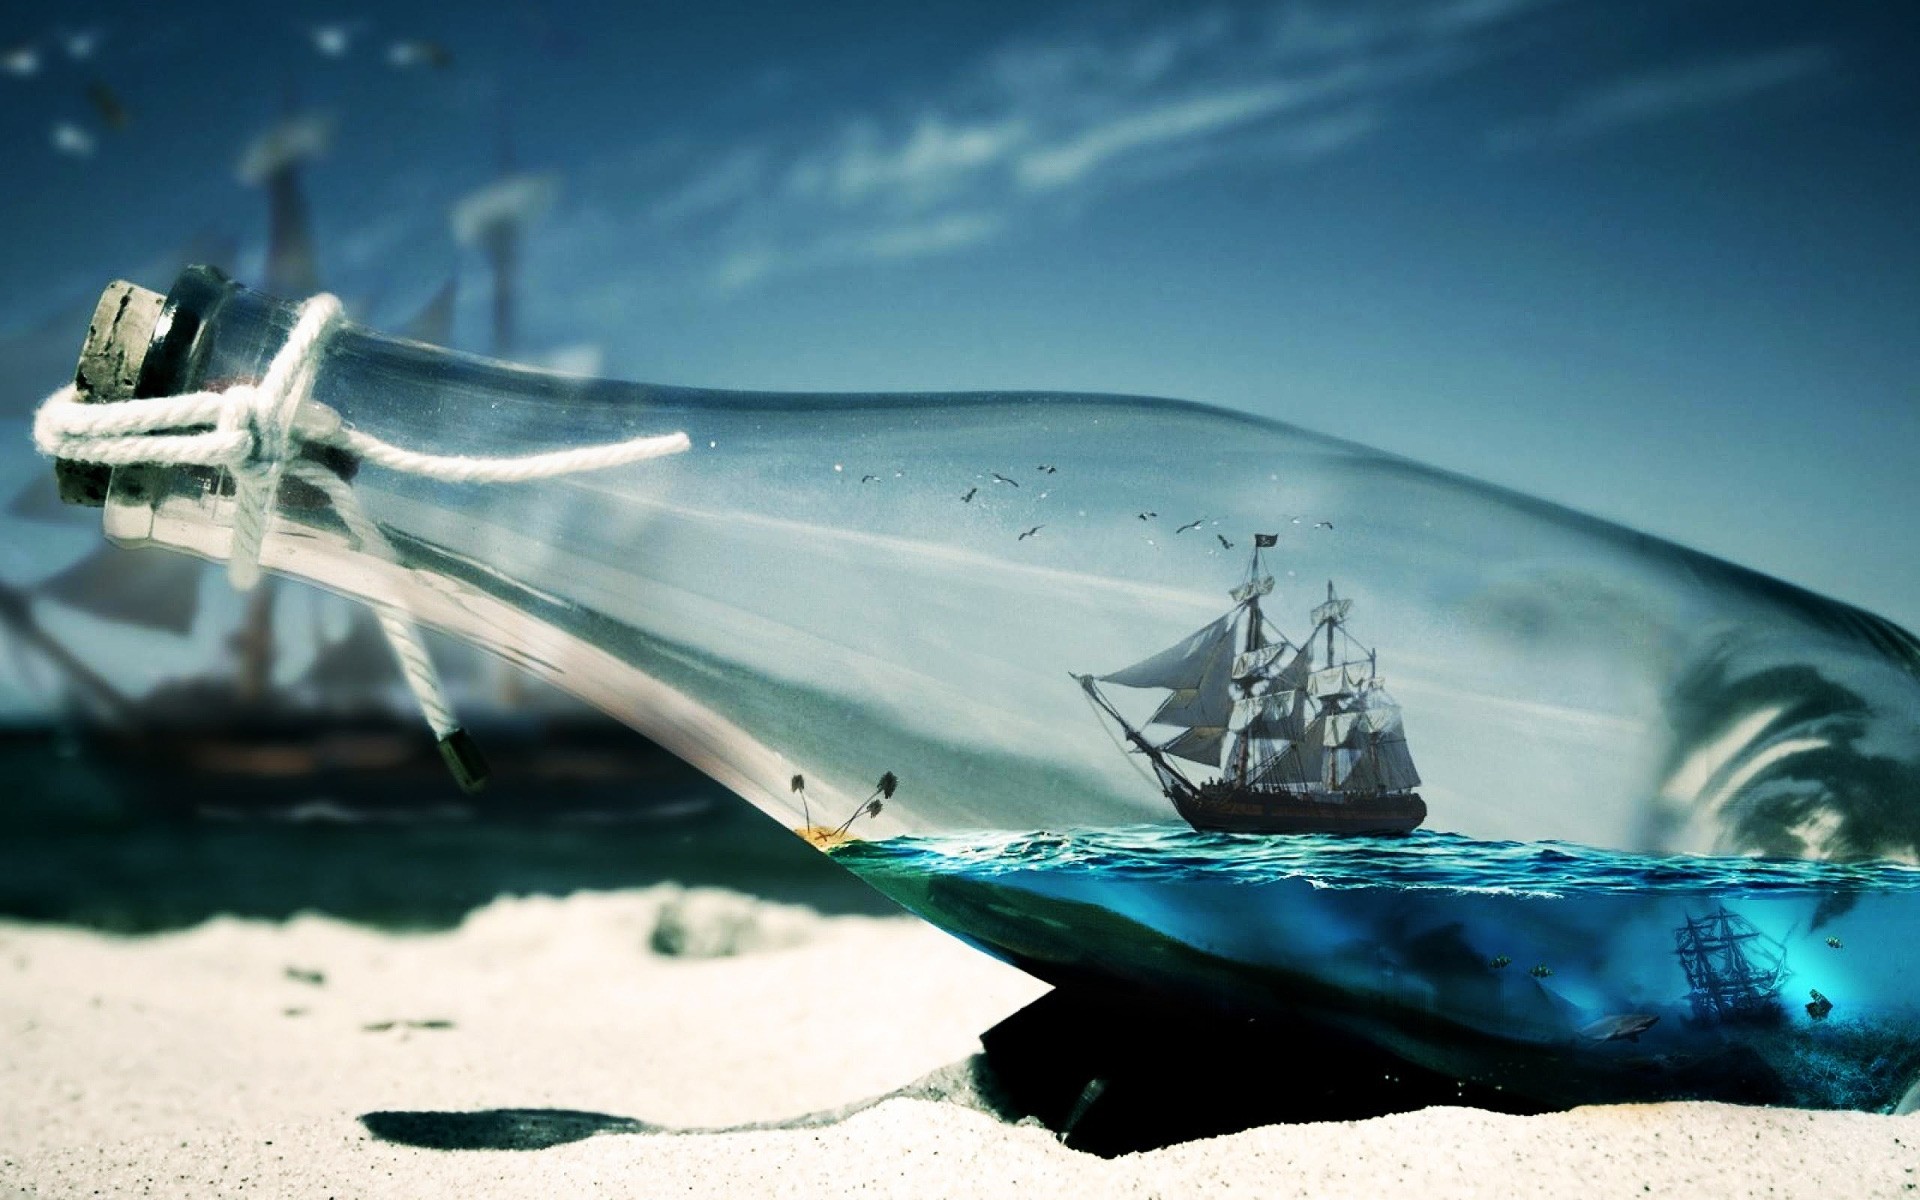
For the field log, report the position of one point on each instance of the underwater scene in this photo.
(1559, 971)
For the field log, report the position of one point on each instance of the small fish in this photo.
(1819, 1007)
(1029, 533)
(1500, 961)
(1625, 1027)
(1191, 525)
(108, 105)
(999, 478)
(967, 496)
(1224, 543)
(1540, 970)
(1147, 516)
(419, 54)
(1323, 524)
(1833, 943)
(1047, 468)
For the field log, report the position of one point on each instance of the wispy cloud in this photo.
(934, 159)
(1031, 128)
(915, 239)
(1172, 121)
(1658, 95)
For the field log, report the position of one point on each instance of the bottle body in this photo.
(947, 591)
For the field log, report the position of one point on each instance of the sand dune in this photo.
(317, 1058)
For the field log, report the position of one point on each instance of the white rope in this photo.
(255, 431)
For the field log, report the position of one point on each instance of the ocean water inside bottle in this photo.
(1558, 970)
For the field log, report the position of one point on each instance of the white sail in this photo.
(1383, 716)
(1185, 664)
(1252, 588)
(1343, 761)
(1295, 674)
(1254, 663)
(1198, 745)
(1341, 729)
(1339, 680)
(1394, 765)
(1276, 716)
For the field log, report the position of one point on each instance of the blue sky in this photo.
(1656, 261)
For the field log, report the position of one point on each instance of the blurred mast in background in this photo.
(493, 219)
(273, 162)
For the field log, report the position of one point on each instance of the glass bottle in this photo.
(1145, 694)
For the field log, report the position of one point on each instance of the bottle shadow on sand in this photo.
(1106, 1080)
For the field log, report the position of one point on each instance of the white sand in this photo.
(169, 1066)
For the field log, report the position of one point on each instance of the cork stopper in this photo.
(109, 369)
(117, 341)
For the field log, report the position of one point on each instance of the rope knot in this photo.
(254, 432)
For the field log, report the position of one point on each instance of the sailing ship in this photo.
(335, 740)
(1734, 972)
(1304, 737)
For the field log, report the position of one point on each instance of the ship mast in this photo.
(1254, 686)
(1243, 749)
(1330, 614)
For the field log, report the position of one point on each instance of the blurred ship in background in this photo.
(301, 715)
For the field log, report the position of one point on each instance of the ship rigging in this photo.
(1304, 735)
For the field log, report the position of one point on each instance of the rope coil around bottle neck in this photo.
(255, 432)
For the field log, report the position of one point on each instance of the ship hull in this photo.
(1225, 809)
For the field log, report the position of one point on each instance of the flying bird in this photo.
(1323, 524)
(1047, 469)
(1191, 525)
(999, 478)
(1029, 533)
(868, 478)
(1295, 520)
(967, 496)
(1147, 516)
(1224, 543)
